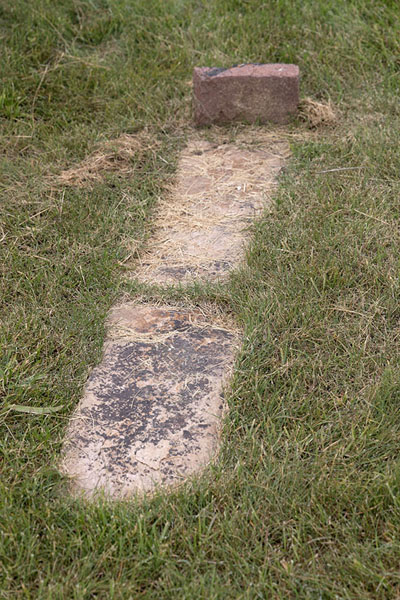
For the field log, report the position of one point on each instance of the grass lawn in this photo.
(304, 501)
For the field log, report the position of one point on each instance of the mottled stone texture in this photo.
(203, 224)
(151, 410)
(249, 93)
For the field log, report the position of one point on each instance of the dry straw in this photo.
(316, 113)
(221, 185)
(120, 155)
(126, 318)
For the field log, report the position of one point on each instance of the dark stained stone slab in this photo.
(152, 409)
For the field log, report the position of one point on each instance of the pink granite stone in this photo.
(249, 93)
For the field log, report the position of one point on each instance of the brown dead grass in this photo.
(209, 314)
(221, 184)
(316, 113)
(121, 155)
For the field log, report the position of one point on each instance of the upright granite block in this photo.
(249, 93)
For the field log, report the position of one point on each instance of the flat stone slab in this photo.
(201, 229)
(249, 93)
(151, 411)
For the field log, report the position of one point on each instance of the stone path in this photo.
(200, 232)
(152, 409)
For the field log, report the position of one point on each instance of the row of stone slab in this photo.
(151, 411)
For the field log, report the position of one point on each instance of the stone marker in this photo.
(249, 93)
(152, 409)
(202, 225)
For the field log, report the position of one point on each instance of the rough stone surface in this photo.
(202, 225)
(249, 93)
(151, 410)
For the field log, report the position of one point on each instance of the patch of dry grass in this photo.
(120, 156)
(316, 114)
(221, 185)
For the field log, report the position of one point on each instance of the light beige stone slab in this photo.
(202, 224)
(152, 409)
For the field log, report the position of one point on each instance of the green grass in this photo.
(305, 499)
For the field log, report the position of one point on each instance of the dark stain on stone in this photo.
(145, 405)
(213, 72)
(216, 71)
